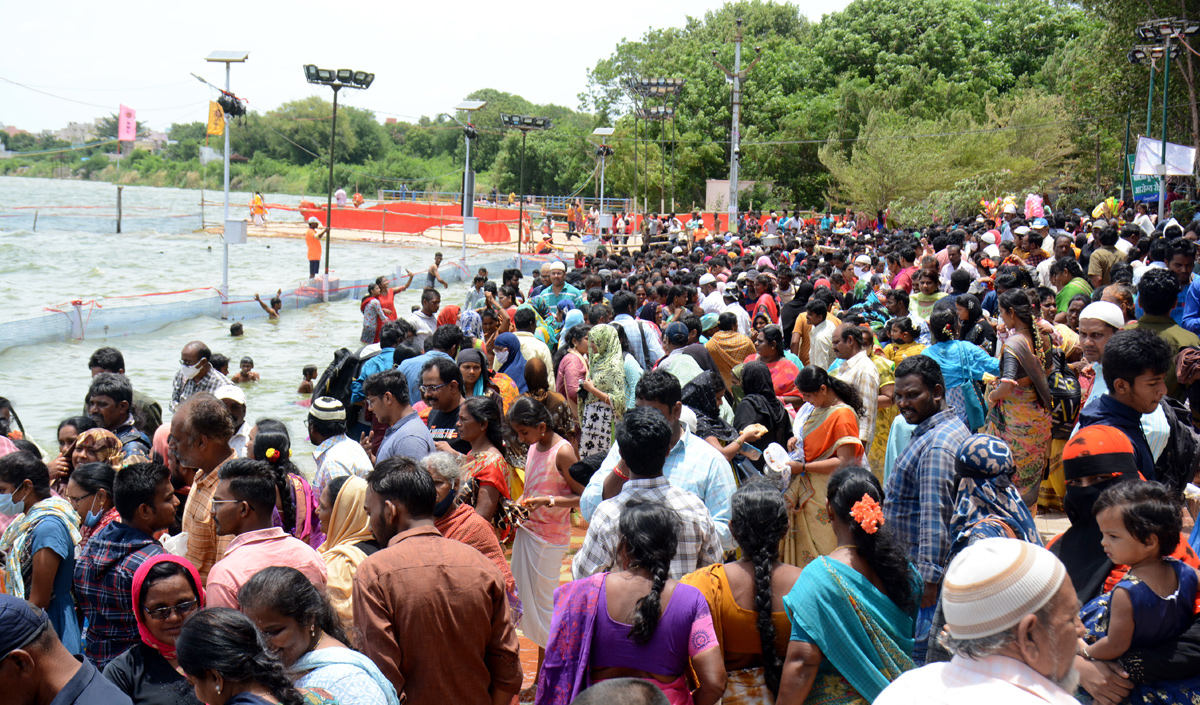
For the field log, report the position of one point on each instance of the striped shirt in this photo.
(204, 547)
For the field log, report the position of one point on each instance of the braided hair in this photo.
(227, 642)
(758, 524)
(1019, 302)
(880, 549)
(273, 445)
(649, 537)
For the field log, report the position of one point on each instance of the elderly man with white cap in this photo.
(559, 289)
(234, 399)
(1098, 322)
(714, 300)
(1012, 624)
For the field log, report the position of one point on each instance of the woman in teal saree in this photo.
(851, 611)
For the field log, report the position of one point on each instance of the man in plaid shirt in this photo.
(920, 491)
(104, 572)
(645, 438)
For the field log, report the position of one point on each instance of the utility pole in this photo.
(737, 76)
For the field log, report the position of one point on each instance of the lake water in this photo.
(71, 257)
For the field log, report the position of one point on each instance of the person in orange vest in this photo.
(358, 200)
(258, 209)
(312, 238)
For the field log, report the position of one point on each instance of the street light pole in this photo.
(521, 193)
(329, 196)
(225, 240)
(227, 58)
(524, 123)
(1162, 177)
(735, 135)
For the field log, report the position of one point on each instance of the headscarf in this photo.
(448, 316)
(514, 366)
(16, 537)
(649, 312)
(701, 396)
(484, 384)
(349, 525)
(574, 318)
(760, 395)
(1095, 450)
(606, 365)
(471, 324)
(544, 331)
(984, 467)
(764, 261)
(139, 584)
(103, 443)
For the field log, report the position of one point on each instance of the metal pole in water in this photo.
(119, 190)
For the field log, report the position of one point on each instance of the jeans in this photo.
(921, 633)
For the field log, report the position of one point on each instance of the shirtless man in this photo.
(275, 307)
(433, 276)
(245, 372)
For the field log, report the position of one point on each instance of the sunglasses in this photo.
(182, 609)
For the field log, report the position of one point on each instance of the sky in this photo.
(427, 56)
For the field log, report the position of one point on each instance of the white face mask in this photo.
(501, 358)
(192, 371)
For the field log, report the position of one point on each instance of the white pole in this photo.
(602, 159)
(734, 149)
(466, 196)
(224, 237)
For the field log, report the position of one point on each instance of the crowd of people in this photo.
(804, 466)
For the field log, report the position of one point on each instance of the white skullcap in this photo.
(1105, 311)
(558, 267)
(230, 392)
(994, 583)
(327, 409)
(312, 219)
(1010, 208)
(989, 238)
(707, 279)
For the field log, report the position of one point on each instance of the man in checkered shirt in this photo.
(644, 437)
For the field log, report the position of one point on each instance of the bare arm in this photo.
(799, 672)
(1120, 629)
(486, 501)
(709, 666)
(45, 566)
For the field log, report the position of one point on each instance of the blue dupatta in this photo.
(860, 631)
(313, 660)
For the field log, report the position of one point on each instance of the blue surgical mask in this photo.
(8, 507)
(92, 519)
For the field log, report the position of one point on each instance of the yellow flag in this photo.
(216, 119)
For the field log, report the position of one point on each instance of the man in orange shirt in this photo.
(312, 238)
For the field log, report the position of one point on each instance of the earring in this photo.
(218, 689)
(312, 631)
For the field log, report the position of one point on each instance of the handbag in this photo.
(509, 515)
(1066, 395)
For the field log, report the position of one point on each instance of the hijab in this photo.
(103, 443)
(514, 365)
(139, 584)
(984, 467)
(484, 384)
(471, 324)
(649, 312)
(1095, 450)
(606, 365)
(574, 318)
(701, 396)
(760, 395)
(448, 316)
(349, 526)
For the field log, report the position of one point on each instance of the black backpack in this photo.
(337, 379)
(1181, 458)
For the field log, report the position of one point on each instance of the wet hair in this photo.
(18, 467)
(528, 412)
(400, 479)
(252, 482)
(247, 360)
(881, 550)
(161, 571)
(484, 409)
(219, 361)
(135, 485)
(812, 378)
(308, 369)
(227, 642)
(644, 440)
(287, 592)
(1147, 509)
(1130, 353)
(107, 359)
(649, 535)
(758, 523)
(272, 437)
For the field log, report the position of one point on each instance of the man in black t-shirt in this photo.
(441, 389)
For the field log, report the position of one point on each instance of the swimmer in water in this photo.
(236, 329)
(433, 274)
(310, 375)
(246, 373)
(275, 307)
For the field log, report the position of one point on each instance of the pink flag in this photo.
(127, 125)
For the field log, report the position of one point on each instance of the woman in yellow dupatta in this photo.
(348, 539)
(828, 423)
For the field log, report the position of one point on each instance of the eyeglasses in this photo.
(182, 609)
(77, 500)
(215, 502)
(425, 388)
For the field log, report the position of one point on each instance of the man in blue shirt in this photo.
(443, 343)
(389, 338)
(647, 350)
(559, 289)
(691, 465)
(387, 397)
(920, 490)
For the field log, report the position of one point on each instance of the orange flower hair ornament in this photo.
(867, 513)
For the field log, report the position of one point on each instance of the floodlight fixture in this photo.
(604, 131)
(341, 78)
(345, 75)
(228, 57)
(470, 105)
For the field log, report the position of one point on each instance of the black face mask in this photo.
(1080, 501)
(441, 508)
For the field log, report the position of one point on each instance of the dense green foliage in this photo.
(923, 106)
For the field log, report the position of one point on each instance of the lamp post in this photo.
(468, 207)
(524, 123)
(656, 87)
(1166, 30)
(227, 58)
(737, 75)
(337, 80)
(604, 152)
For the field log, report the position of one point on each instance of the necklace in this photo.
(849, 545)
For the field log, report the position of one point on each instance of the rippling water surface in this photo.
(71, 257)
